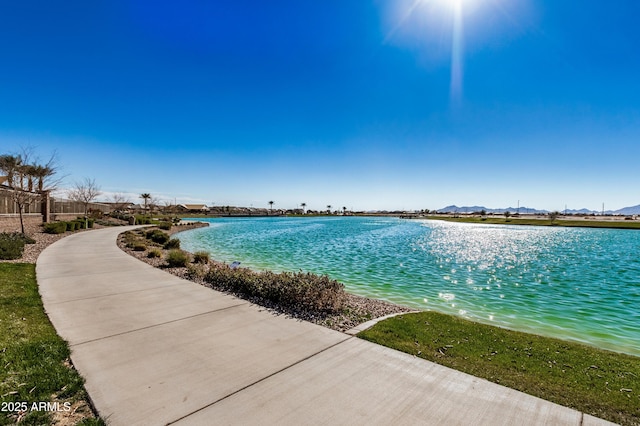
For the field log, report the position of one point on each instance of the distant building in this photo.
(192, 208)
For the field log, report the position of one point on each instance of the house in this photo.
(192, 208)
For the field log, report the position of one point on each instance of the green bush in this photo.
(157, 236)
(164, 225)
(142, 220)
(201, 257)
(314, 293)
(71, 226)
(55, 227)
(177, 258)
(27, 239)
(11, 246)
(154, 253)
(196, 271)
(84, 223)
(173, 243)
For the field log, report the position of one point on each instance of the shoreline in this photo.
(357, 311)
(547, 331)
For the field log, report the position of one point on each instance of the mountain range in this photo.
(626, 211)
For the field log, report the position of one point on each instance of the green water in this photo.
(573, 283)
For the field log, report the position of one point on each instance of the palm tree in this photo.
(344, 211)
(145, 197)
(29, 171)
(41, 173)
(328, 208)
(271, 205)
(10, 164)
(303, 207)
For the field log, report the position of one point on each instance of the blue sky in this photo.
(367, 104)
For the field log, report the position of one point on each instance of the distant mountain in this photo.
(626, 211)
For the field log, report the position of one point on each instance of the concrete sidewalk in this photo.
(156, 349)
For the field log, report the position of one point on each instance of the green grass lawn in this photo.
(34, 358)
(495, 220)
(601, 383)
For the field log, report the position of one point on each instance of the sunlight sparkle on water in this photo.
(572, 283)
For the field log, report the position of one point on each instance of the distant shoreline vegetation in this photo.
(551, 219)
(582, 222)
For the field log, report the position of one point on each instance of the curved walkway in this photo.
(155, 349)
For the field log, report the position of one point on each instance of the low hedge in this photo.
(55, 227)
(292, 290)
(142, 220)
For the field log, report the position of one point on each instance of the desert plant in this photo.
(157, 236)
(177, 259)
(11, 246)
(201, 257)
(139, 247)
(196, 271)
(172, 244)
(164, 225)
(154, 253)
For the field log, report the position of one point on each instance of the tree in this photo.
(21, 170)
(507, 214)
(271, 205)
(344, 211)
(85, 192)
(303, 207)
(9, 164)
(328, 208)
(120, 202)
(553, 216)
(146, 197)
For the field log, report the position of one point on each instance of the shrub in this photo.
(177, 259)
(11, 246)
(71, 226)
(314, 293)
(154, 253)
(196, 271)
(85, 223)
(157, 236)
(164, 225)
(55, 227)
(173, 243)
(139, 247)
(201, 257)
(130, 239)
(27, 239)
(142, 220)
